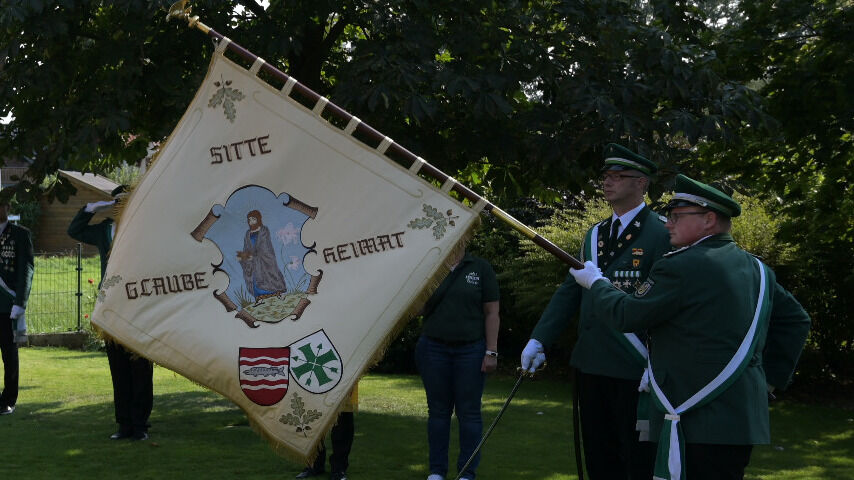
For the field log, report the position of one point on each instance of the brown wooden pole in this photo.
(179, 10)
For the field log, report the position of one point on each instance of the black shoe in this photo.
(338, 476)
(308, 473)
(139, 435)
(122, 433)
(7, 410)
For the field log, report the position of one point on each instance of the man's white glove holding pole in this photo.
(533, 356)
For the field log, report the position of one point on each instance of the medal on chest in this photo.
(7, 252)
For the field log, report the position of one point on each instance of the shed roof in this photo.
(90, 180)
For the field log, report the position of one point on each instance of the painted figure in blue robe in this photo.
(260, 270)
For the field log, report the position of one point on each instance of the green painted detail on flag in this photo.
(433, 217)
(299, 416)
(226, 96)
(315, 364)
(106, 284)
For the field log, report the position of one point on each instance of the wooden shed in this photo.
(55, 217)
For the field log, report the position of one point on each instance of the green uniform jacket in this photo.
(99, 235)
(598, 350)
(697, 305)
(16, 265)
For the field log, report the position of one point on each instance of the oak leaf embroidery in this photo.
(433, 217)
(300, 417)
(226, 96)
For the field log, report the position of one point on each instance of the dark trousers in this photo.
(716, 462)
(133, 391)
(9, 350)
(342, 441)
(608, 417)
(454, 384)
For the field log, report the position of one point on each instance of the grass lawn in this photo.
(65, 415)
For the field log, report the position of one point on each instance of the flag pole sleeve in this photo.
(180, 10)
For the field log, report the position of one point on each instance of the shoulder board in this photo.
(674, 252)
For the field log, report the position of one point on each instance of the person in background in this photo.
(16, 278)
(133, 389)
(457, 348)
(342, 435)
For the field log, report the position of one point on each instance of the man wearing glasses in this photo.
(609, 364)
(722, 333)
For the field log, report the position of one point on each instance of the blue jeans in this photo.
(453, 383)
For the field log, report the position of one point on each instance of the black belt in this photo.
(453, 343)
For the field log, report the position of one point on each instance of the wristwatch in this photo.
(490, 353)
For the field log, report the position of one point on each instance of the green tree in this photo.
(531, 89)
(797, 54)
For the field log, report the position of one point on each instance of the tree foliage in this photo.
(531, 89)
(797, 54)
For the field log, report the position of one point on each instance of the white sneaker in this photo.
(435, 476)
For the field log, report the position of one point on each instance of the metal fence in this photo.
(65, 285)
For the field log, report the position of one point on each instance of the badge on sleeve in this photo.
(644, 288)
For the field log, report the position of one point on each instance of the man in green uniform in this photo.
(722, 334)
(132, 375)
(16, 278)
(608, 363)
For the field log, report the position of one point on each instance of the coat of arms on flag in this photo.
(264, 374)
(266, 238)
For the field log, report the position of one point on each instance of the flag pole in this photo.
(181, 11)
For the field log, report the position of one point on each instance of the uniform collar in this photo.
(627, 217)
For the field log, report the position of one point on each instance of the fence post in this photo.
(79, 283)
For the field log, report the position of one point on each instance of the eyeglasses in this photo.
(616, 177)
(674, 217)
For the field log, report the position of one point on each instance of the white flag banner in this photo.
(269, 256)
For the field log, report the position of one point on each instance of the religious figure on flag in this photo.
(260, 269)
(257, 287)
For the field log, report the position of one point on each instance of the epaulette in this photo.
(674, 252)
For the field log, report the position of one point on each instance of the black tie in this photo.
(615, 230)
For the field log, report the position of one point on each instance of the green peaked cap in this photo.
(618, 157)
(691, 192)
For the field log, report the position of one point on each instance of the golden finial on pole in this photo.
(180, 10)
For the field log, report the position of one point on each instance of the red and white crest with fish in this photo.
(264, 374)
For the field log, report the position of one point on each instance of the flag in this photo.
(270, 256)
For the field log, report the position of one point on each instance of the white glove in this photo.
(17, 311)
(588, 275)
(95, 207)
(533, 356)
